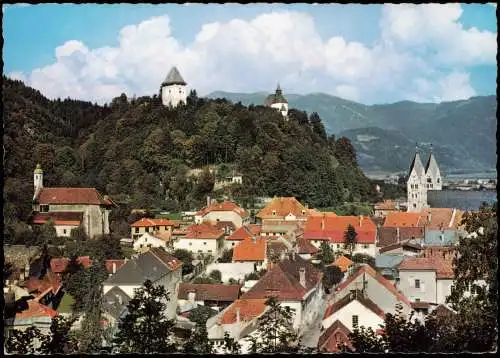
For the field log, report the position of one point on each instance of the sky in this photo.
(366, 53)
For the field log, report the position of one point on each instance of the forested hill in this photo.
(138, 151)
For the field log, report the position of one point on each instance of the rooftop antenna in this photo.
(416, 147)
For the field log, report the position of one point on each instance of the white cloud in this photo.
(280, 46)
(492, 4)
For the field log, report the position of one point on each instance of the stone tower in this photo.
(278, 101)
(37, 179)
(174, 89)
(416, 189)
(433, 174)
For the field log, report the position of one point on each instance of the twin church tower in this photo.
(174, 92)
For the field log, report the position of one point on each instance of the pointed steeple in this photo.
(278, 89)
(417, 165)
(174, 78)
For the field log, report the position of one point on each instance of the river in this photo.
(463, 200)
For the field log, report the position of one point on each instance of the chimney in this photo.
(302, 276)
(237, 315)
(323, 223)
(360, 220)
(208, 201)
(191, 296)
(429, 217)
(114, 267)
(397, 233)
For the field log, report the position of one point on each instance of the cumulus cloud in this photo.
(282, 46)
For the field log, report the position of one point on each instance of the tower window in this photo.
(417, 283)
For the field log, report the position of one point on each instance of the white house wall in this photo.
(366, 317)
(235, 270)
(427, 291)
(206, 246)
(64, 230)
(224, 216)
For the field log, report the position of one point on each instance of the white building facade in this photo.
(174, 89)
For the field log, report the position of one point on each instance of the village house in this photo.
(279, 228)
(295, 283)
(216, 296)
(381, 210)
(154, 239)
(304, 248)
(344, 264)
(377, 288)
(334, 337)
(252, 250)
(331, 229)
(58, 264)
(283, 209)
(394, 235)
(244, 232)
(202, 238)
(225, 211)
(36, 315)
(354, 309)
(114, 305)
(146, 225)
(239, 320)
(155, 265)
(69, 208)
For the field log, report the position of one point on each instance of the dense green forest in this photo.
(138, 151)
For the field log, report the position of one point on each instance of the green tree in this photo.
(227, 256)
(48, 232)
(215, 275)
(198, 342)
(60, 341)
(326, 254)
(79, 234)
(332, 275)
(146, 328)
(275, 328)
(230, 345)
(350, 238)
(187, 258)
(364, 259)
(91, 334)
(24, 342)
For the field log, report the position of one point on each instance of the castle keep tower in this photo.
(174, 89)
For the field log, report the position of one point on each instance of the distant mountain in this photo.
(462, 133)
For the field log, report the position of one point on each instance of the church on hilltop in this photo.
(421, 180)
(278, 101)
(174, 89)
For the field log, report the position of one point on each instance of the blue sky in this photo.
(360, 52)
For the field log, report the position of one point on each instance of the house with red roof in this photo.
(376, 287)
(331, 228)
(333, 338)
(238, 319)
(252, 250)
(148, 225)
(225, 211)
(58, 264)
(283, 209)
(244, 232)
(204, 238)
(154, 239)
(36, 314)
(356, 308)
(217, 296)
(295, 283)
(69, 208)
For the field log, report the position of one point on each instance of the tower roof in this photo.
(38, 169)
(431, 167)
(174, 78)
(417, 165)
(275, 98)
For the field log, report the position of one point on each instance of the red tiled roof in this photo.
(74, 218)
(305, 246)
(365, 301)
(379, 278)
(89, 196)
(224, 206)
(442, 266)
(389, 235)
(282, 207)
(203, 231)
(283, 280)
(244, 232)
(109, 265)
(38, 286)
(337, 334)
(248, 308)
(343, 263)
(170, 261)
(436, 218)
(209, 292)
(58, 264)
(400, 245)
(332, 228)
(146, 222)
(275, 248)
(250, 250)
(36, 309)
(402, 219)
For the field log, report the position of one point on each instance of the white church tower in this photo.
(433, 174)
(174, 89)
(416, 189)
(37, 179)
(278, 101)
